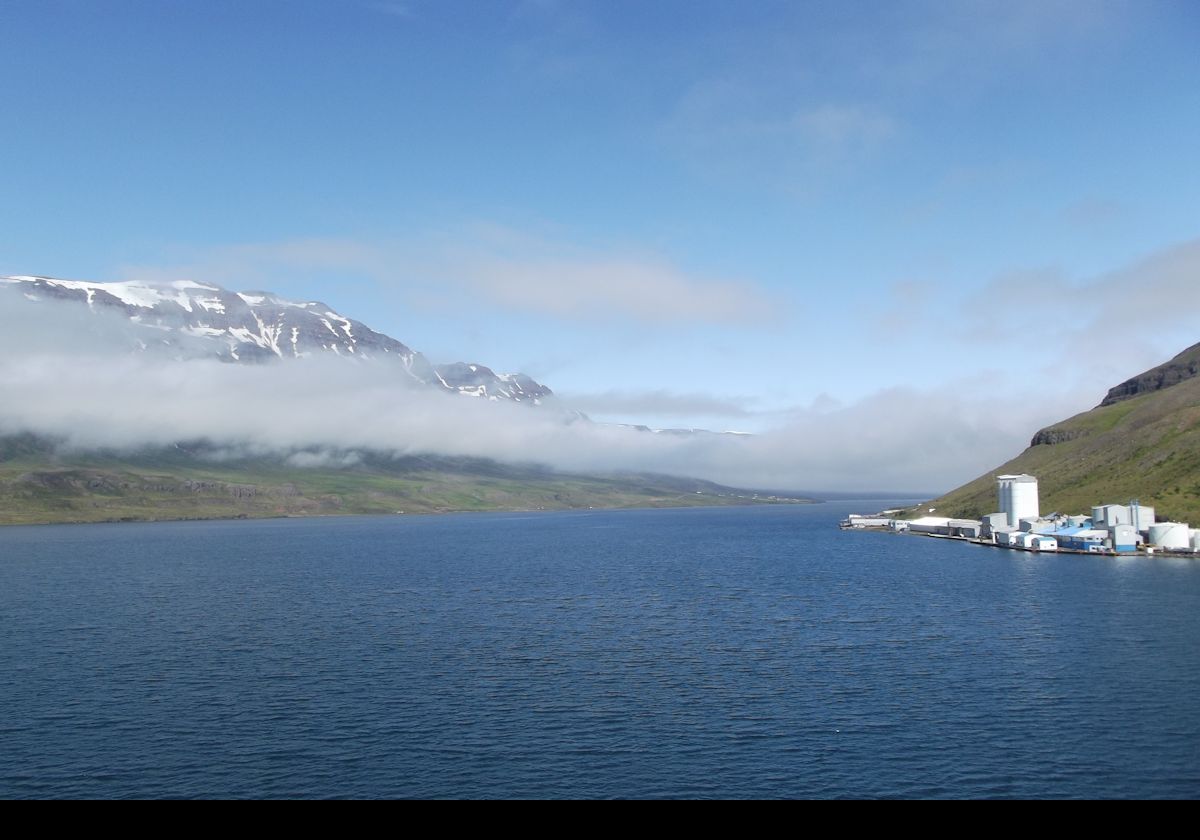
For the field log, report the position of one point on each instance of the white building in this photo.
(1018, 497)
(992, 523)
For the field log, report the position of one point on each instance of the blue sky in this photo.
(682, 213)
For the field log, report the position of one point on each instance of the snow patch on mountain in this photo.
(257, 326)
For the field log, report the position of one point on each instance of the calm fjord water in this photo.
(706, 652)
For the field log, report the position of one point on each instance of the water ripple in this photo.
(704, 653)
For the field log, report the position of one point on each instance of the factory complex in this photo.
(1019, 524)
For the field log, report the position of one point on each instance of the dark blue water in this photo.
(723, 652)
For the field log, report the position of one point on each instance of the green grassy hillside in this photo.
(39, 486)
(1145, 446)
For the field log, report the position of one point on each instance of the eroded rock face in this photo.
(1049, 437)
(1181, 368)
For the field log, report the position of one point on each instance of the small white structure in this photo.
(992, 523)
(1035, 523)
(930, 525)
(1025, 539)
(1123, 538)
(1042, 543)
(1018, 497)
(858, 521)
(1173, 535)
(970, 529)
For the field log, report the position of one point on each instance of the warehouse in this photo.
(1080, 539)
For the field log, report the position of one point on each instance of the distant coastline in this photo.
(666, 505)
(43, 488)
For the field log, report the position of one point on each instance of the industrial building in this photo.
(993, 523)
(1018, 497)
(1141, 517)
(944, 527)
(1080, 539)
(1019, 524)
(1118, 528)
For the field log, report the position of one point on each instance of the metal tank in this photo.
(1018, 497)
(1171, 535)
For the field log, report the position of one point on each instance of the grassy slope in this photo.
(1147, 447)
(38, 487)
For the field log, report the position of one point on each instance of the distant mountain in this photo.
(41, 484)
(1142, 441)
(190, 319)
(255, 327)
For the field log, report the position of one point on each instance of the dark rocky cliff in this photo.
(1181, 368)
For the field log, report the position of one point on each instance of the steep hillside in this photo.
(1184, 366)
(1142, 443)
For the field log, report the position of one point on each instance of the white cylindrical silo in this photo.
(1171, 535)
(1018, 497)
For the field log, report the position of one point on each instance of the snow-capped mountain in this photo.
(250, 327)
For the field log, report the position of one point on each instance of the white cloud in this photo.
(661, 402)
(501, 267)
(56, 378)
(647, 290)
(843, 129)
(806, 95)
(93, 392)
(731, 128)
(393, 8)
(893, 440)
(1103, 328)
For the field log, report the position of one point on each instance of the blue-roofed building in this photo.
(1079, 538)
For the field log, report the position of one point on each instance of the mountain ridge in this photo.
(259, 326)
(1182, 367)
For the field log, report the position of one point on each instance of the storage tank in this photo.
(1195, 540)
(1171, 535)
(1098, 516)
(1018, 497)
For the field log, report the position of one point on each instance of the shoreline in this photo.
(1140, 552)
(248, 517)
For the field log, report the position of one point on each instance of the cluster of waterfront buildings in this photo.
(1111, 529)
